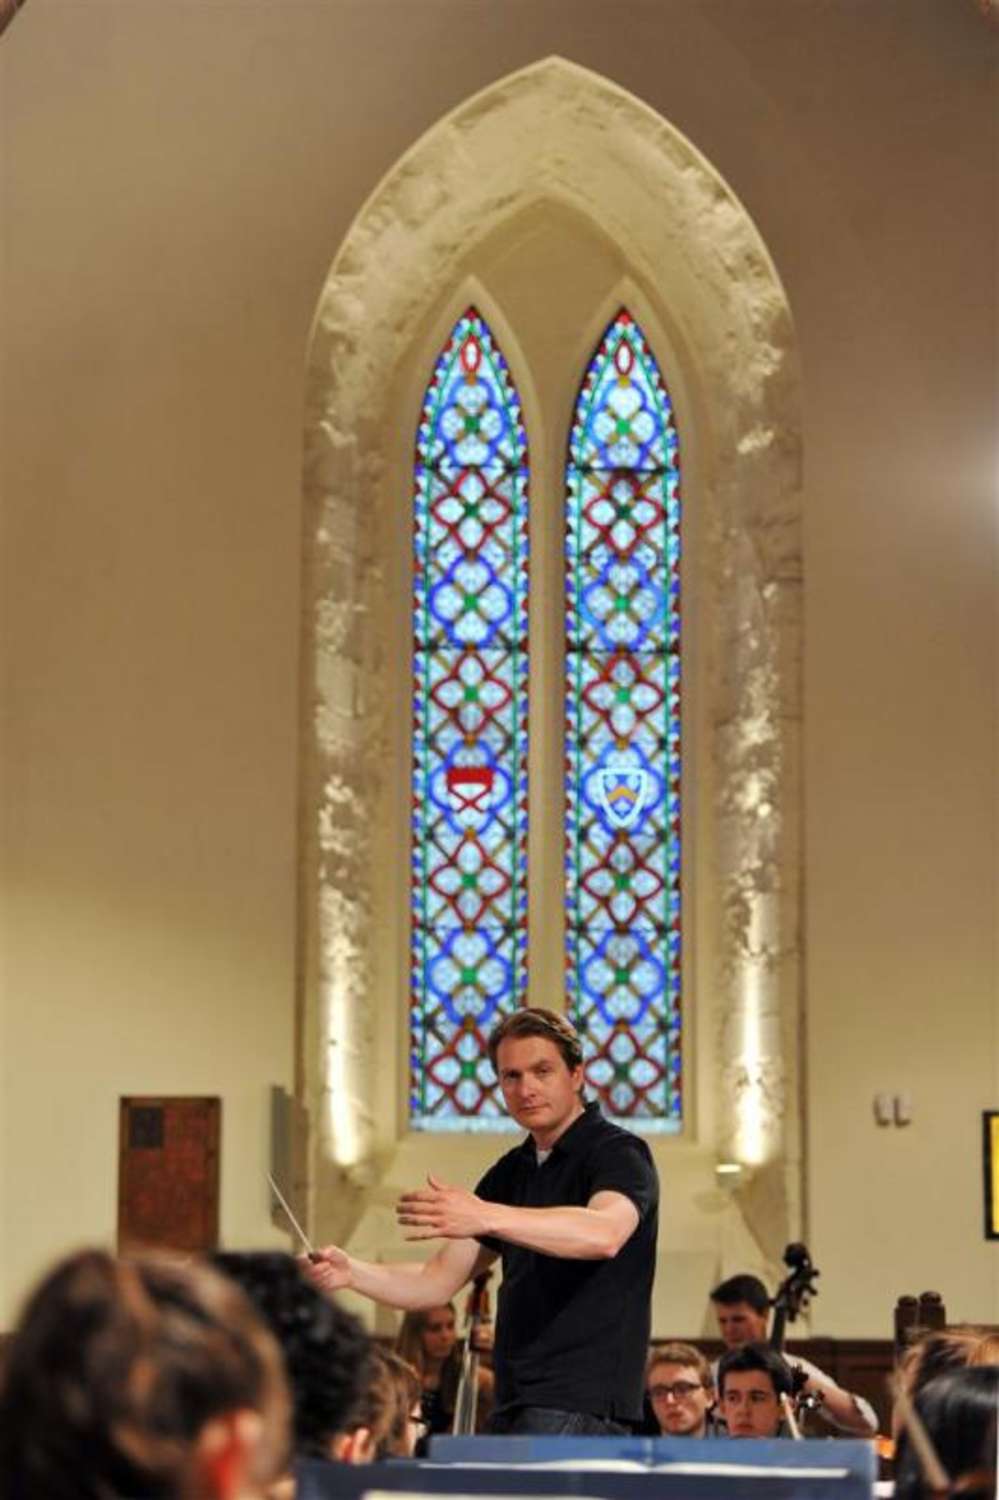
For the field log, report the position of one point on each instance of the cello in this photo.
(794, 1294)
(466, 1401)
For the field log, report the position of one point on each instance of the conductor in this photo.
(572, 1212)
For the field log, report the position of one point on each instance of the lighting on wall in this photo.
(345, 1135)
(728, 1174)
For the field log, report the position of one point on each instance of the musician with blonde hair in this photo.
(681, 1391)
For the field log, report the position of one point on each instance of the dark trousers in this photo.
(549, 1421)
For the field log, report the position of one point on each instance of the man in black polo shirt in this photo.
(573, 1213)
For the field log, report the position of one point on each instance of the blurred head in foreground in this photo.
(140, 1377)
(407, 1425)
(941, 1351)
(958, 1410)
(327, 1352)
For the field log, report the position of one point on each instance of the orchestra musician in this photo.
(681, 1391)
(752, 1379)
(428, 1340)
(742, 1307)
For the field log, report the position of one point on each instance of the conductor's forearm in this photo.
(408, 1287)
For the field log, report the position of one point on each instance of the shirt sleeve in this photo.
(863, 1407)
(623, 1164)
(491, 1187)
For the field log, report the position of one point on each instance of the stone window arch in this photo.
(554, 158)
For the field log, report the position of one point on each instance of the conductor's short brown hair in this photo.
(531, 1020)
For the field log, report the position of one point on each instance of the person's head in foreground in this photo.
(142, 1377)
(958, 1411)
(407, 1426)
(742, 1308)
(937, 1353)
(326, 1350)
(378, 1426)
(680, 1390)
(751, 1382)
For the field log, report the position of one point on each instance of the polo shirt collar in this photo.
(573, 1140)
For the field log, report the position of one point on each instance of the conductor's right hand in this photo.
(328, 1268)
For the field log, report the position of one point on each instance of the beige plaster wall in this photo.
(176, 179)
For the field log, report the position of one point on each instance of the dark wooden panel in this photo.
(168, 1173)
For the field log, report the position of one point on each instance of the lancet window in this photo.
(621, 774)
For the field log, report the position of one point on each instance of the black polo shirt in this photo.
(574, 1334)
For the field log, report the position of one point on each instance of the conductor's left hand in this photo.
(440, 1211)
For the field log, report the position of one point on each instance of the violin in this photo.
(466, 1400)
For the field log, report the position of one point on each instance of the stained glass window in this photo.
(469, 814)
(623, 731)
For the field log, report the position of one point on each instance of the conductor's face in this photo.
(539, 1088)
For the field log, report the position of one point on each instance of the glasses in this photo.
(680, 1390)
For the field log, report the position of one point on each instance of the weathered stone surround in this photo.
(556, 133)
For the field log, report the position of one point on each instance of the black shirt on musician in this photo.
(573, 1334)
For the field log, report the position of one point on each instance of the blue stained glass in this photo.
(469, 853)
(623, 871)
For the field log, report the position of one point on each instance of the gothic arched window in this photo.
(622, 730)
(533, 222)
(469, 832)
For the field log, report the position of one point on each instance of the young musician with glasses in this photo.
(681, 1392)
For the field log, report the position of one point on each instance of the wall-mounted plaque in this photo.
(168, 1173)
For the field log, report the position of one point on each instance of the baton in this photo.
(296, 1226)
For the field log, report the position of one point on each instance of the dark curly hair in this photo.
(327, 1351)
(114, 1370)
